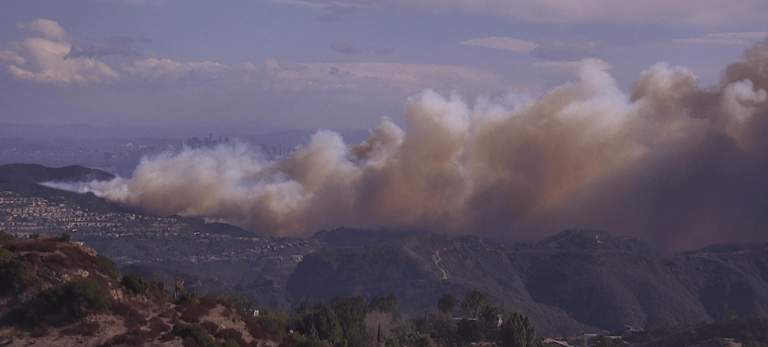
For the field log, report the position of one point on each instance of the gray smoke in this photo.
(671, 161)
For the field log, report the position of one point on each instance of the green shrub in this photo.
(13, 272)
(5, 256)
(186, 298)
(4, 236)
(241, 302)
(137, 284)
(65, 237)
(272, 321)
(196, 332)
(418, 339)
(108, 266)
(90, 289)
(231, 343)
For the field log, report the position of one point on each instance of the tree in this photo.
(601, 341)
(386, 304)
(517, 331)
(304, 308)
(444, 327)
(473, 302)
(447, 303)
(4, 236)
(322, 324)
(490, 315)
(470, 330)
(351, 312)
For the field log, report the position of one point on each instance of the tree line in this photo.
(354, 322)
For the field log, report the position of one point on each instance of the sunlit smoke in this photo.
(670, 161)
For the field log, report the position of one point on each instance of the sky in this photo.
(306, 64)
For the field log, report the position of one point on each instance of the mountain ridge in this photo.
(575, 280)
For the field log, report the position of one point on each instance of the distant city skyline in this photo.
(306, 64)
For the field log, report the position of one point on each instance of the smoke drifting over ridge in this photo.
(671, 161)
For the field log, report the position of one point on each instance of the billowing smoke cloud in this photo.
(671, 161)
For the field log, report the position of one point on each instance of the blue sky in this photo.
(250, 64)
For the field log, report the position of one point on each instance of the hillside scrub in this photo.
(137, 284)
(89, 289)
(195, 332)
(13, 273)
(108, 266)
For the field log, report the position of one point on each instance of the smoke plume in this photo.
(670, 161)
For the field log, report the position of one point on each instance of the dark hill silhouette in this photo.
(33, 173)
(25, 179)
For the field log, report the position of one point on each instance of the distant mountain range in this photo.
(576, 280)
(268, 136)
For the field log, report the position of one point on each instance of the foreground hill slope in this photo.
(56, 292)
(576, 280)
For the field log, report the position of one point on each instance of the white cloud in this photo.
(12, 57)
(410, 78)
(699, 12)
(573, 66)
(172, 70)
(42, 60)
(47, 27)
(742, 38)
(273, 75)
(503, 43)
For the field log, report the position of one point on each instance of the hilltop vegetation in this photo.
(578, 280)
(56, 292)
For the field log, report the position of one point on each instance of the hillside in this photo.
(25, 178)
(55, 292)
(32, 173)
(578, 280)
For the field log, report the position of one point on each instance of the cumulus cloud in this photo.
(503, 43)
(12, 57)
(50, 29)
(669, 161)
(707, 12)
(42, 59)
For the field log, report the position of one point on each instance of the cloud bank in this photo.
(669, 161)
(503, 43)
(697, 12)
(42, 59)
